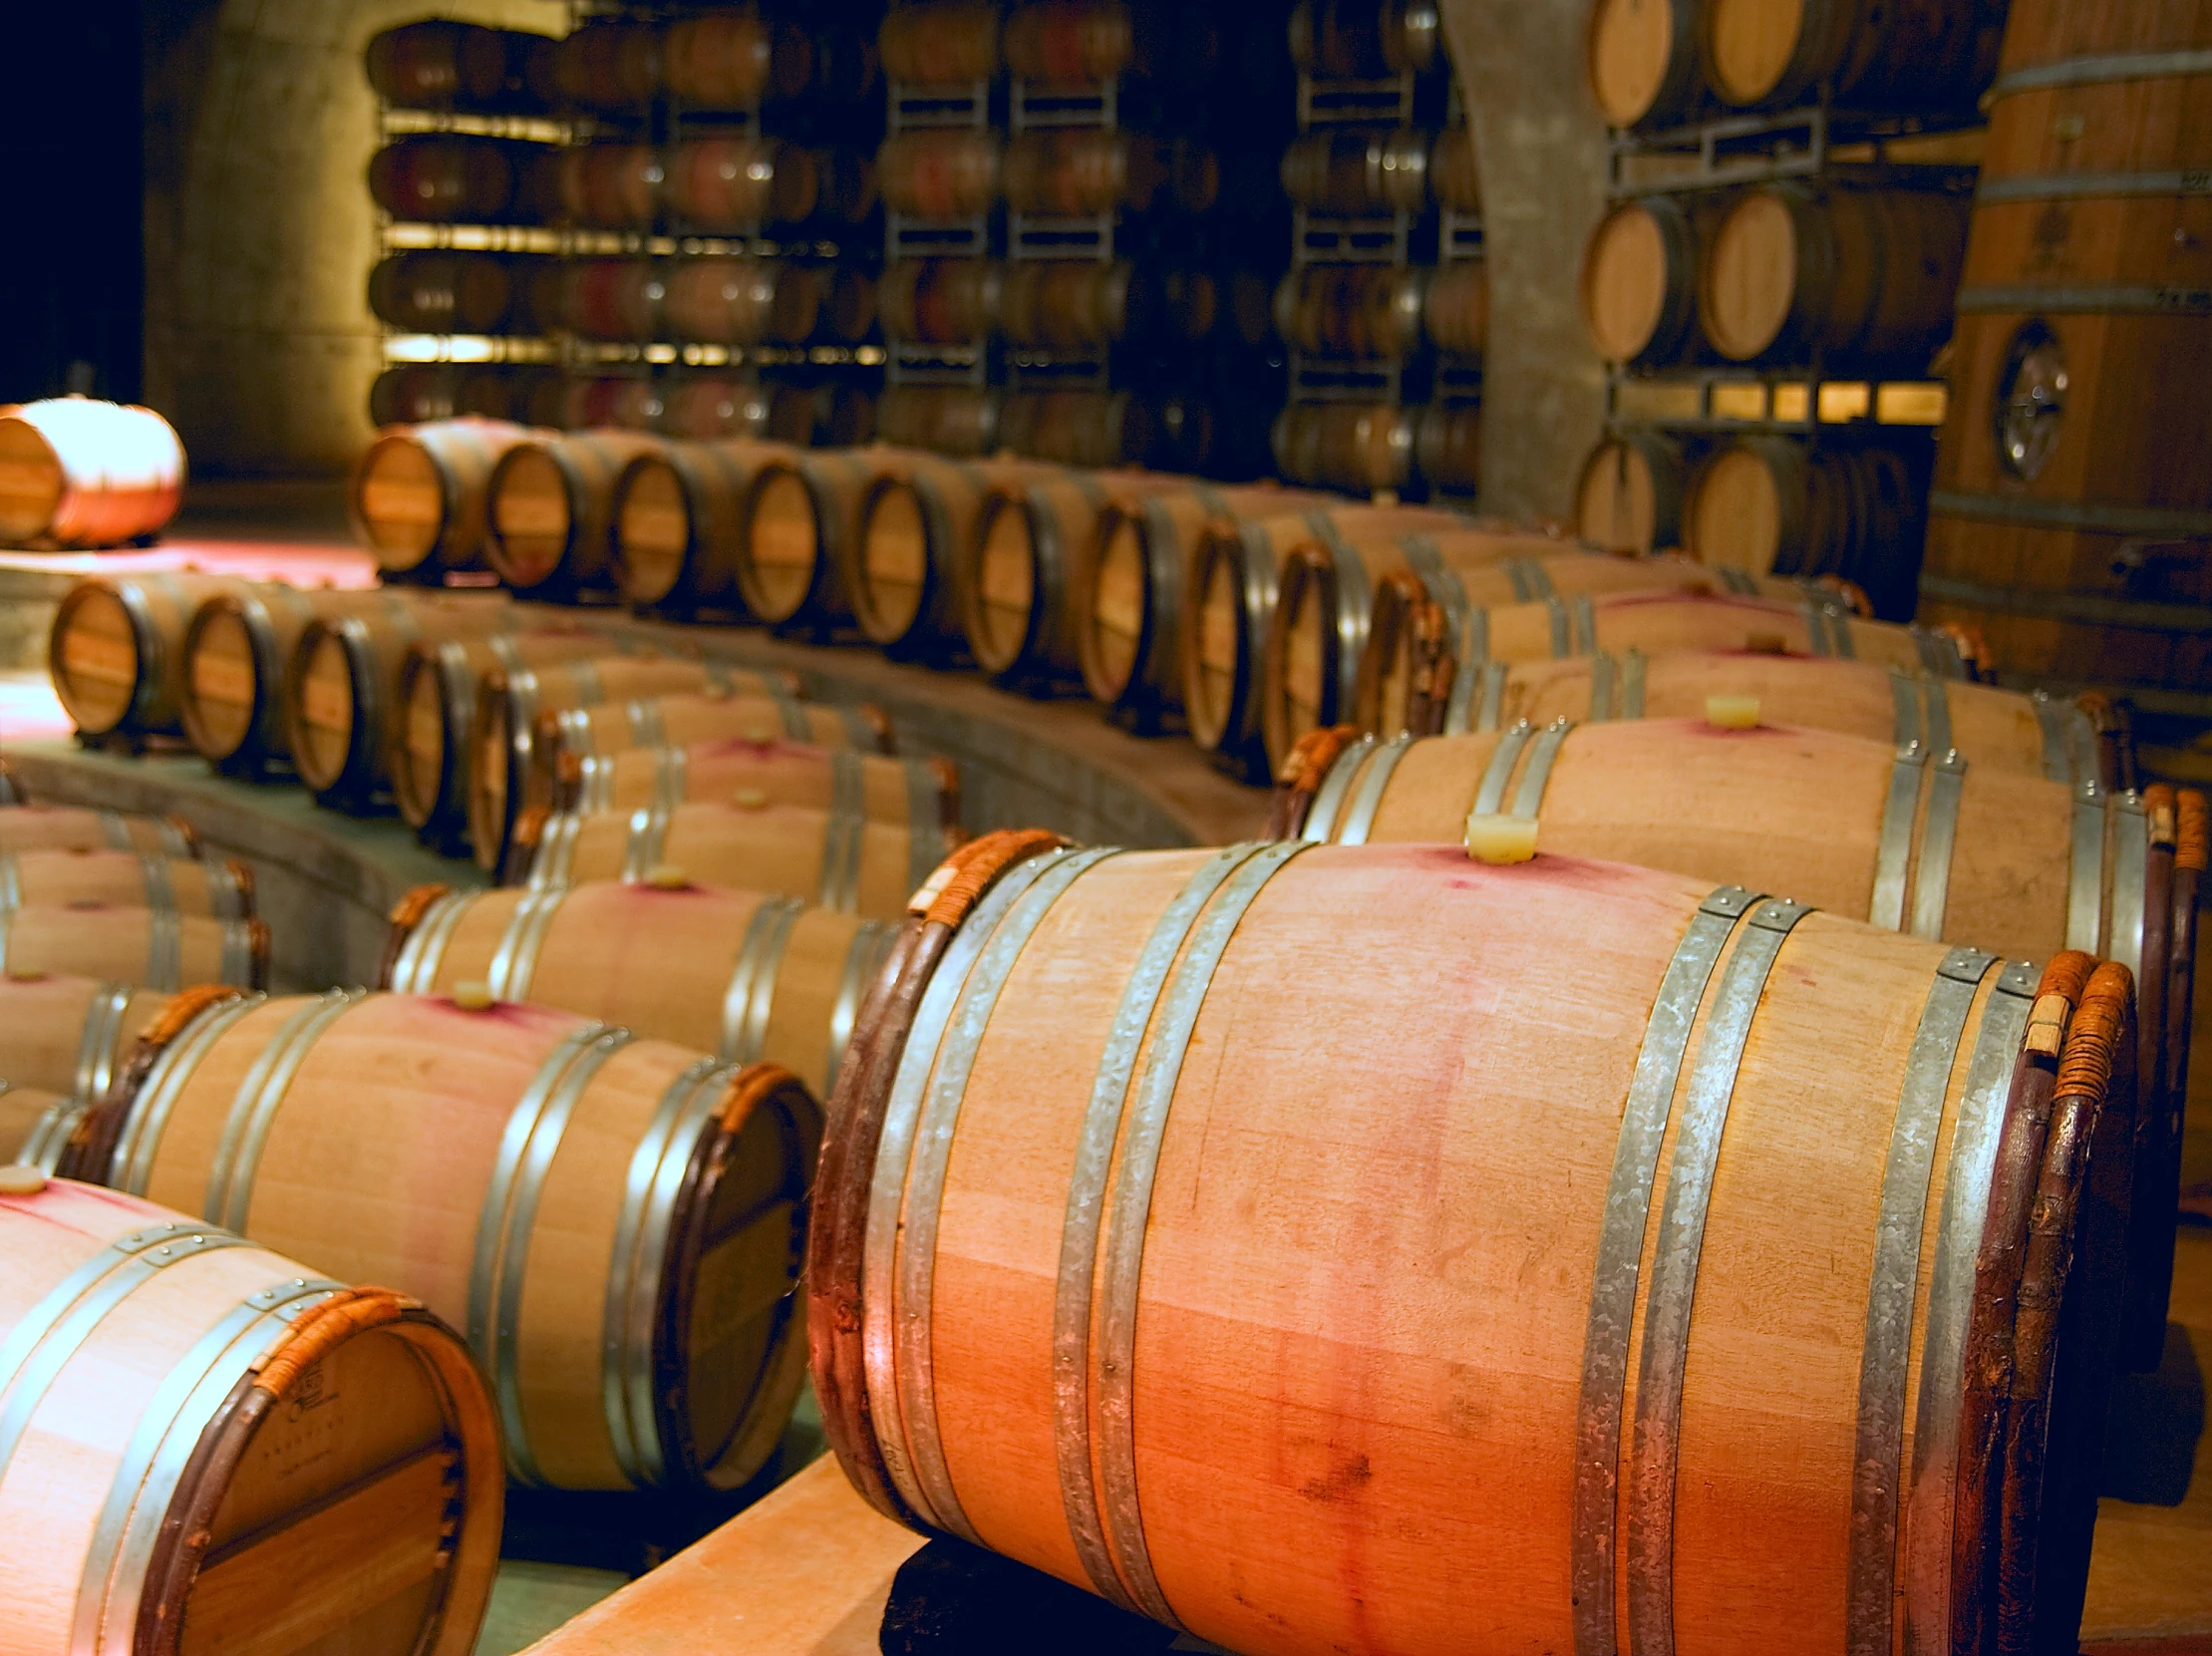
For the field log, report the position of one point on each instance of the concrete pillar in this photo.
(1543, 150)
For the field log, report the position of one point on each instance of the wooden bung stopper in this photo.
(472, 996)
(668, 877)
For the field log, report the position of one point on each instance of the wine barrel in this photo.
(703, 407)
(1070, 304)
(1455, 176)
(69, 1035)
(127, 943)
(617, 299)
(719, 61)
(1319, 643)
(844, 862)
(1070, 42)
(77, 877)
(1447, 447)
(799, 516)
(918, 522)
(1128, 598)
(1361, 448)
(341, 694)
(951, 418)
(1641, 60)
(78, 473)
(677, 522)
(1088, 429)
(1858, 273)
(941, 42)
(419, 497)
(1353, 310)
(1768, 504)
(1290, 1183)
(2003, 730)
(63, 828)
(941, 301)
(718, 185)
(1358, 174)
(502, 741)
(1364, 40)
(446, 293)
(1016, 588)
(419, 393)
(1082, 171)
(2062, 521)
(1628, 497)
(439, 64)
(1921, 59)
(1638, 289)
(115, 651)
(568, 741)
(460, 178)
(747, 977)
(610, 65)
(939, 172)
(1228, 601)
(1862, 826)
(744, 301)
(1456, 309)
(435, 698)
(615, 1220)
(551, 510)
(611, 184)
(204, 1433)
(235, 655)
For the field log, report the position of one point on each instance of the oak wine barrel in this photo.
(74, 471)
(1768, 504)
(951, 418)
(341, 691)
(1367, 311)
(567, 741)
(1366, 39)
(1638, 288)
(917, 520)
(1082, 171)
(611, 184)
(705, 407)
(236, 653)
(1070, 42)
(612, 65)
(1084, 428)
(115, 650)
(510, 703)
(721, 61)
(1853, 273)
(461, 177)
(848, 863)
(419, 497)
(744, 301)
(747, 977)
(1070, 304)
(1228, 604)
(941, 301)
(435, 695)
(1016, 587)
(679, 523)
(79, 878)
(1115, 1243)
(451, 293)
(551, 505)
(439, 64)
(941, 42)
(1360, 447)
(615, 1221)
(212, 1447)
(717, 186)
(1358, 174)
(69, 1035)
(2066, 521)
(1921, 59)
(1455, 176)
(1639, 58)
(419, 392)
(799, 515)
(939, 172)
(65, 828)
(1629, 497)
(1456, 309)
(1447, 447)
(128, 943)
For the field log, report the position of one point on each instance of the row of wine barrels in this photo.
(435, 695)
(1319, 641)
(1376, 311)
(679, 523)
(115, 650)
(66, 827)
(801, 515)
(127, 943)
(1629, 495)
(1229, 607)
(1357, 173)
(718, 61)
(467, 179)
(1060, 43)
(734, 302)
(1422, 649)
(423, 393)
(441, 63)
(2064, 522)
(1368, 448)
(1078, 171)
(78, 877)
(715, 185)
(443, 292)
(941, 42)
(340, 689)
(707, 407)
(69, 1035)
(941, 301)
(511, 702)
(596, 761)
(1366, 39)
(418, 497)
(1270, 1167)
(550, 508)
(939, 172)
(205, 1434)
(1088, 429)
(750, 978)
(76, 471)
(845, 862)
(1031, 535)
(1769, 505)
(1860, 825)
(955, 420)
(910, 556)
(1781, 270)
(614, 1220)
(1656, 63)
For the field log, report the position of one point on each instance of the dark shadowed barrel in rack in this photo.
(1773, 506)
(941, 301)
(941, 42)
(1865, 53)
(952, 419)
(439, 64)
(939, 173)
(1366, 39)
(719, 61)
(1358, 172)
(1367, 311)
(463, 178)
(732, 183)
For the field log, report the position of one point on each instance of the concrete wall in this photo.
(258, 225)
(1541, 145)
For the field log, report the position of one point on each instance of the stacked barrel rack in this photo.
(685, 242)
(1385, 310)
(1774, 281)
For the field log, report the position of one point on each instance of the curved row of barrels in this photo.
(699, 405)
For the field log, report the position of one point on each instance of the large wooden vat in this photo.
(124, 943)
(2069, 519)
(418, 495)
(68, 878)
(679, 525)
(115, 650)
(1178, 1237)
(551, 503)
(69, 1035)
(341, 691)
(1910, 839)
(503, 742)
(799, 516)
(747, 977)
(213, 1448)
(78, 473)
(615, 1221)
(43, 828)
